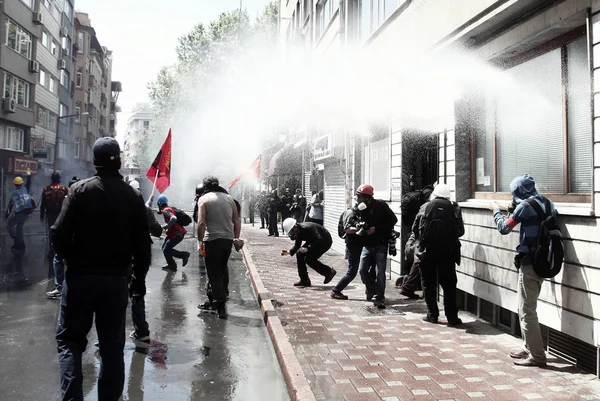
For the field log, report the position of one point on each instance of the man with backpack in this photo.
(410, 204)
(540, 240)
(53, 196)
(175, 220)
(437, 229)
(377, 223)
(20, 206)
(52, 200)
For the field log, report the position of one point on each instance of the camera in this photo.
(362, 228)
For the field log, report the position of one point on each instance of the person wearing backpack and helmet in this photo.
(174, 235)
(19, 208)
(529, 211)
(437, 229)
(378, 221)
(317, 241)
(51, 204)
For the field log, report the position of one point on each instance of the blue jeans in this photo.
(85, 299)
(169, 250)
(15, 224)
(353, 252)
(374, 255)
(59, 271)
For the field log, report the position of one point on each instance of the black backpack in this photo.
(341, 231)
(437, 227)
(182, 217)
(549, 253)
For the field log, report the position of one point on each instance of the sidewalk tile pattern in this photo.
(350, 350)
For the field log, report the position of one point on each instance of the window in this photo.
(17, 89)
(45, 118)
(28, 3)
(64, 78)
(524, 126)
(45, 39)
(63, 110)
(376, 160)
(18, 39)
(76, 147)
(78, 112)
(80, 39)
(68, 10)
(46, 4)
(66, 43)
(51, 84)
(42, 77)
(62, 148)
(389, 7)
(11, 138)
(53, 48)
(146, 124)
(79, 81)
(365, 19)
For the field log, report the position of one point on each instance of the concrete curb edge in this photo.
(297, 384)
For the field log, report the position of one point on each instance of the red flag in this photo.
(161, 167)
(253, 170)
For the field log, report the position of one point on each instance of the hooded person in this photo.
(100, 230)
(523, 211)
(436, 232)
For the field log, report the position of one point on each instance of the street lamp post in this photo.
(57, 135)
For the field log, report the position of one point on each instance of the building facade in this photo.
(138, 126)
(522, 100)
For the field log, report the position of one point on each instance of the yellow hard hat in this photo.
(18, 181)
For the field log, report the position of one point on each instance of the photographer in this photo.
(348, 228)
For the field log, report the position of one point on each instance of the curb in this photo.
(297, 384)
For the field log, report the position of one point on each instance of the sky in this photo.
(143, 36)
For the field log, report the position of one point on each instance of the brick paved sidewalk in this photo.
(349, 350)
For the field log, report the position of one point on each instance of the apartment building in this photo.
(19, 70)
(53, 91)
(138, 127)
(93, 95)
(528, 71)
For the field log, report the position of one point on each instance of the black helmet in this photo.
(107, 153)
(199, 190)
(73, 180)
(55, 178)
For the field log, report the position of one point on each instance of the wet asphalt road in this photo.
(192, 356)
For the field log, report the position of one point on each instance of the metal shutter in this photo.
(335, 203)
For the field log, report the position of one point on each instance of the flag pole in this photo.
(154, 185)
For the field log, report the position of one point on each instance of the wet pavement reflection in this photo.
(192, 356)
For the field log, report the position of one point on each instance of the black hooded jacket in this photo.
(102, 226)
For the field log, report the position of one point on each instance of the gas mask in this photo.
(362, 206)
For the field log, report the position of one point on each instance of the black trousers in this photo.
(311, 258)
(273, 230)
(85, 299)
(411, 283)
(264, 218)
(439, 269)
(217, 256)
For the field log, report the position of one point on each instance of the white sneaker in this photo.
(54, 294)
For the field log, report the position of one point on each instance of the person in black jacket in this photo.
(317, 241)
(378, 220)
(274, 205)
(102, 226)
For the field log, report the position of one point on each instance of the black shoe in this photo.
(302, 283)
(270, 235)
(261, 228)
(330, 277)
(276, 235)
(170, 268)
(430, 319)
(338, 295)
(185, 259)
(370, 295)
(454, 322)
(409, 295)
(208, 307)
(379, 304)
(222, 312)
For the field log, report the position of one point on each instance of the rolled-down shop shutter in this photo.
(335, 203)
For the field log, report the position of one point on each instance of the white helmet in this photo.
(288, 224)
(441, 191)
(134, 184)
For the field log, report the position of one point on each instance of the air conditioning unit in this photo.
(62, 64)
(66, 52)
(34, 66)
(9, 105)
(64, 32)
(37, 18)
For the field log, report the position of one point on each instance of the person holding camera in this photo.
(378, 220)
(348, 228)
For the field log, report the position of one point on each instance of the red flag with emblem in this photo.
(160, 171)
(253, 171)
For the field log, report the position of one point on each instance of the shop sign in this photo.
(323, 147)
(20, 164)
